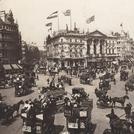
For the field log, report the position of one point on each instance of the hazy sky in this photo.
(31, 15)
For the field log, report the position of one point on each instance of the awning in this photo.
(20, 67)
(14, 66)
(7, 67)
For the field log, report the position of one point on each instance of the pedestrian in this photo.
(126, 89)
(48, 81)
(127, 110)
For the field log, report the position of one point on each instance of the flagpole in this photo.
(70, 21)
(51, 30)
(58, 24)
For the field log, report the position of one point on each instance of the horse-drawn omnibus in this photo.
(38, 125)
(78, 113)
(57, 93)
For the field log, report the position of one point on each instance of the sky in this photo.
(31, 16)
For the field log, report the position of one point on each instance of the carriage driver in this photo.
(26, 106)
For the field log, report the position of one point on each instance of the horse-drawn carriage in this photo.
(104, 85)
(119, 125)
(104, 101)
(57, 93)
(7, 111)
(108, 77)
(22, 88)
(38, 123)
(86, 78)
(78, 113)
(129, 85)
(66, 79)
(123, 75)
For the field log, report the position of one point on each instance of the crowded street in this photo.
(66, 67)
(98, 114)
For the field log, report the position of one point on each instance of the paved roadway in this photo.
(98, 115)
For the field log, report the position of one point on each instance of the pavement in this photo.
(98, 114)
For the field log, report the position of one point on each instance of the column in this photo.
(92, 47)
(98, 46)
(101, 46)
(89, 46)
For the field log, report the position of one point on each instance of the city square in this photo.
(65, 70)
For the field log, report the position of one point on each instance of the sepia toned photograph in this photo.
(66, 66)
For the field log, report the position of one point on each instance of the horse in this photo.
(16, 106)
(120, 100)
(118, 126)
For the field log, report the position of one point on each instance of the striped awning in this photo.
(14, 66)
(7, 67)
(20, 67)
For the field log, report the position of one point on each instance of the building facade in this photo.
(67, 49)
(125, 47)
(101, 49)
(10, 39)
(92, 49)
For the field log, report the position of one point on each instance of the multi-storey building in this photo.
(101, 48)
(67, 49)
(92, 49)
(125, 47)
(10, 39)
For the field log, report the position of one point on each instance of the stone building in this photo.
(125, 47)
(10, 39)
(101, 48)
(67, 48)
(94, 49)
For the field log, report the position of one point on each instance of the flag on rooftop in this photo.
(121, 25)
(50, 29)
(67, 12)
(53, 15)
(49, 24)
(91, 19)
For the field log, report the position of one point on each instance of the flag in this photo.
(67, 12)
(89, 20)
(48, 24)
(121, 25)
(50, 29)
(53, 15)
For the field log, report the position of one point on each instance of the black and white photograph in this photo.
(66, 66)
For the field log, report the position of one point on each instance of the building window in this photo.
(70, 40)
(94, 48)
(75, 40)
(113, 51)
(100, 48)
(81, 41)
(109, 51)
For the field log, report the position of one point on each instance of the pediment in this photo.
(97, 34)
